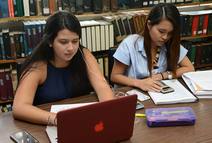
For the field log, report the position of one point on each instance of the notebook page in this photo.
(52, 130)
(180, 95)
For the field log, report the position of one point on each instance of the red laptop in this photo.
(103, 122)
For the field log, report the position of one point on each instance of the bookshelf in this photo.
(196, 37)
(102, 54)
(5, 102)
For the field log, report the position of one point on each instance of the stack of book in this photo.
(199, 83)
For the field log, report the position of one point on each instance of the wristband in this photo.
(169, 75)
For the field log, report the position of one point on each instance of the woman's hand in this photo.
(149, 84)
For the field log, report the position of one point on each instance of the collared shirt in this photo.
(131, 52)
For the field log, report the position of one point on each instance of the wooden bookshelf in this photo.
(195, 37)
(12, 61)
(91, 15)
(203, 66)
(94, 16)
(7, 61)
(6, 101)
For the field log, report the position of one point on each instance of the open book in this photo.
(199, 82)
(180, 94)
(52, 130)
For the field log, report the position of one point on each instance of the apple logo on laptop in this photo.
(99, 127)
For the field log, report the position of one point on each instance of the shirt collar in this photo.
(140, 47)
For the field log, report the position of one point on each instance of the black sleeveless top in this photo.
(58, 85)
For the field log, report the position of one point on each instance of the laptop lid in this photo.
(103, 122)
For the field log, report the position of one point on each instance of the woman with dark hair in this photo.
(58, 68)
(156, 54)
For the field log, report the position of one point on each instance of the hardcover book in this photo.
(8, 83)
(79, 6)
(97, 6)
(210, 25)
(32, 8)
(69, 5)
(4, 8)
(3, 88)
(87, 4)
(175, 116)
(114, 5)
(106, 5)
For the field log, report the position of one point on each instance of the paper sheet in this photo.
(52, 130)
(141, 96)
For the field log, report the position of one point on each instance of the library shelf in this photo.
(196, 37)
(6, 101)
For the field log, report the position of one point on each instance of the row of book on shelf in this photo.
(193, 23)
(16, 8)
(19, 38)
(199, 51)
(196, 23)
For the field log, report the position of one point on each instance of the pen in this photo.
(140, 115)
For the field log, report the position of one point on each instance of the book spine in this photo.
(26, 7)
(205, 25)
(52, 7)
(114, 5)
(97, 6)
(12, 46)
(195, 23)
(87, 5)
(32, 8)
(8, 84)
(4, 8)
(3, 90)
(6, 41)
(105, 5)
(79, 6)
(20, 7)
(45, 7)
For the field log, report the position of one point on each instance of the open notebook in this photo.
(180, 94)
(199, 82)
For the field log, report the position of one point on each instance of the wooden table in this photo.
(201, 132)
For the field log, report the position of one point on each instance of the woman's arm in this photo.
(117, 76)
(184, 66)
(23, 107)
(96, 78)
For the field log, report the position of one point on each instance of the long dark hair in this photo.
(44, 53)
(156, 15)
